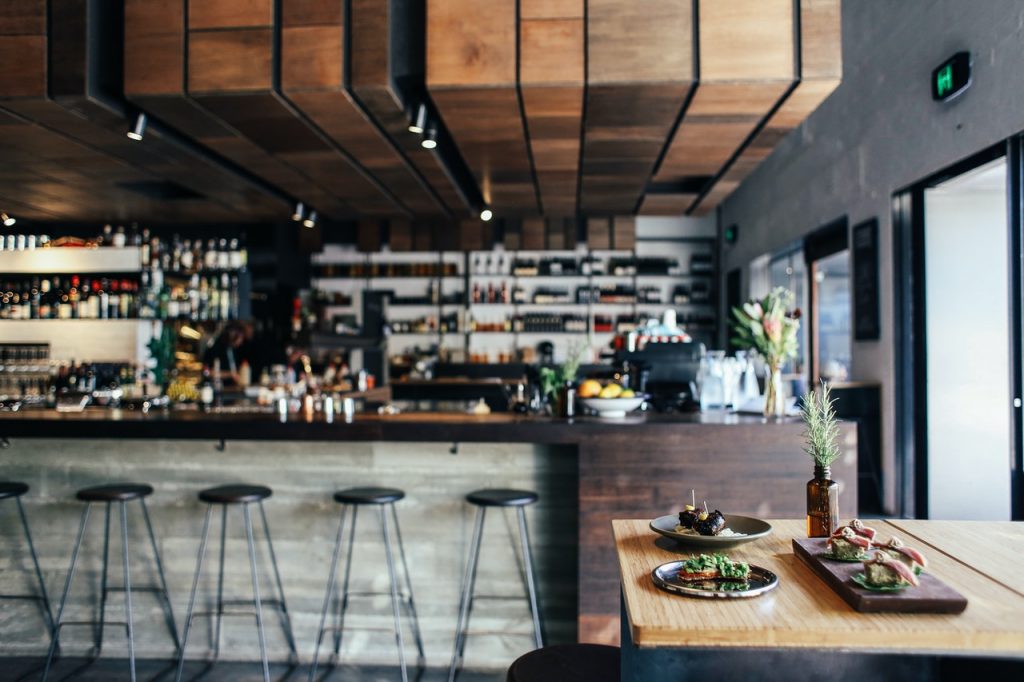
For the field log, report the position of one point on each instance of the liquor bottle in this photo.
(146, 248)
(120, 240)
(106, 237)
(210, 257)
(223, 257)
(45, 300)
(187, 258)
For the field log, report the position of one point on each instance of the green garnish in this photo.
(725, 566)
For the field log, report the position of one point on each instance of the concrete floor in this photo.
(109, 670)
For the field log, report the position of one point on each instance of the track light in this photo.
(300, 211)
(419, 123)
(486, 214)
(8, 220)
(138, 130)
(310, 220)
(429, 140)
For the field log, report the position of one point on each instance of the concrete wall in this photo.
(435, 524)
(879, 132)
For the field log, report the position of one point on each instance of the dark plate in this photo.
(751, 528)
(761, 580)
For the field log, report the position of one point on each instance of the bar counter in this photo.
(587, 471)
(228, 424)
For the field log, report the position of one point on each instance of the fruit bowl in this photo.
(613, 407)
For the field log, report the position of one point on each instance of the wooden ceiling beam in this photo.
(551, 80)
(640, 70)
(472, 58)
(821, 70)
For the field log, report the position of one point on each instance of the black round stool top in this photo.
(567, 663)
(501, 497)
(12, 489)
(117, 492)
(368, 495)
(235, 493)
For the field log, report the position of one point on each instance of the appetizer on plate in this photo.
(847, 545)
(895, 549)
(882, 571)
(713, 567)
(703, 522)
(858, 527)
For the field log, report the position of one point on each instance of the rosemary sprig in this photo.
(821, 430)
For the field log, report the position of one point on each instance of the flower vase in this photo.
(822, 504)
(774, 396)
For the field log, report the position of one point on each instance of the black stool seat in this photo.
(368, 495)
(567, 663)
(118, 492)
(237, 493)
(12, 489)
(501, 497)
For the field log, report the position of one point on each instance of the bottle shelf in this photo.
(72, 260)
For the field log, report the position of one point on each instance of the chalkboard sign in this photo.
(866, 325)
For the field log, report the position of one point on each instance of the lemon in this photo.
(628, 393)
(610, 391)
(589, 389)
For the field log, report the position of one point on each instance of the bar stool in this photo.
(482, 500)
(12, 490)
(225, 496)
(382, 498)
(120, 493)
(568, 663)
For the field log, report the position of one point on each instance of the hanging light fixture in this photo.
(429, 140)
(300, 211)
(419, 123)
(486, 214)
(8, 220)
(310, 220)
(138, 130)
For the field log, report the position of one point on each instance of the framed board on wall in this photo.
(866, 326)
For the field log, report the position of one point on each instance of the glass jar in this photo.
(822, 504)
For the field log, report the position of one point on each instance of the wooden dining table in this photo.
(804, 630)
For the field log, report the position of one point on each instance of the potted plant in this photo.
(556, 382)
(769, 327)
(821, 433)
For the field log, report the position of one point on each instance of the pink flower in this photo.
(773, 329)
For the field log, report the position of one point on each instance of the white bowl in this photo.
(613, 407)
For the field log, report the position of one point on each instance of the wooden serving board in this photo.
(931, 596)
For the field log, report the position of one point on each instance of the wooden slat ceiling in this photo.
(543, 108)
(65, 153)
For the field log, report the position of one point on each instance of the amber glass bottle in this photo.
(822, 504)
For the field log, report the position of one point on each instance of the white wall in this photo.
(968, 337)
(879, 132)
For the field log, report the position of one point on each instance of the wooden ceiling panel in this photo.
(204, 14)
(313, 61)
(747, 66)
(640, 69)
(551, 79)
(666, 204)
(60, 129)
(820, 73)
(380, 32)
(232, 60)
(472, 55)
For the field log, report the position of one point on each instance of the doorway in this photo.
(957, 294)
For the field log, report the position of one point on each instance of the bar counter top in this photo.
(409, 426)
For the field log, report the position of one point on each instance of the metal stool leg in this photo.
(328, 594)
(220, 581)
(103, 580)
(127, 589)
(467, 590)
(67, 587)
(408, 584)
(531, 587)
(344, 583)
(285, 616)
(192, 598)
(35, 564)
(256, 591)
(394, 593)
(172, 626)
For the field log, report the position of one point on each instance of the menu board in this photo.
(866, 326)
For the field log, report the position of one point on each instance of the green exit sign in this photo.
(951, 77)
